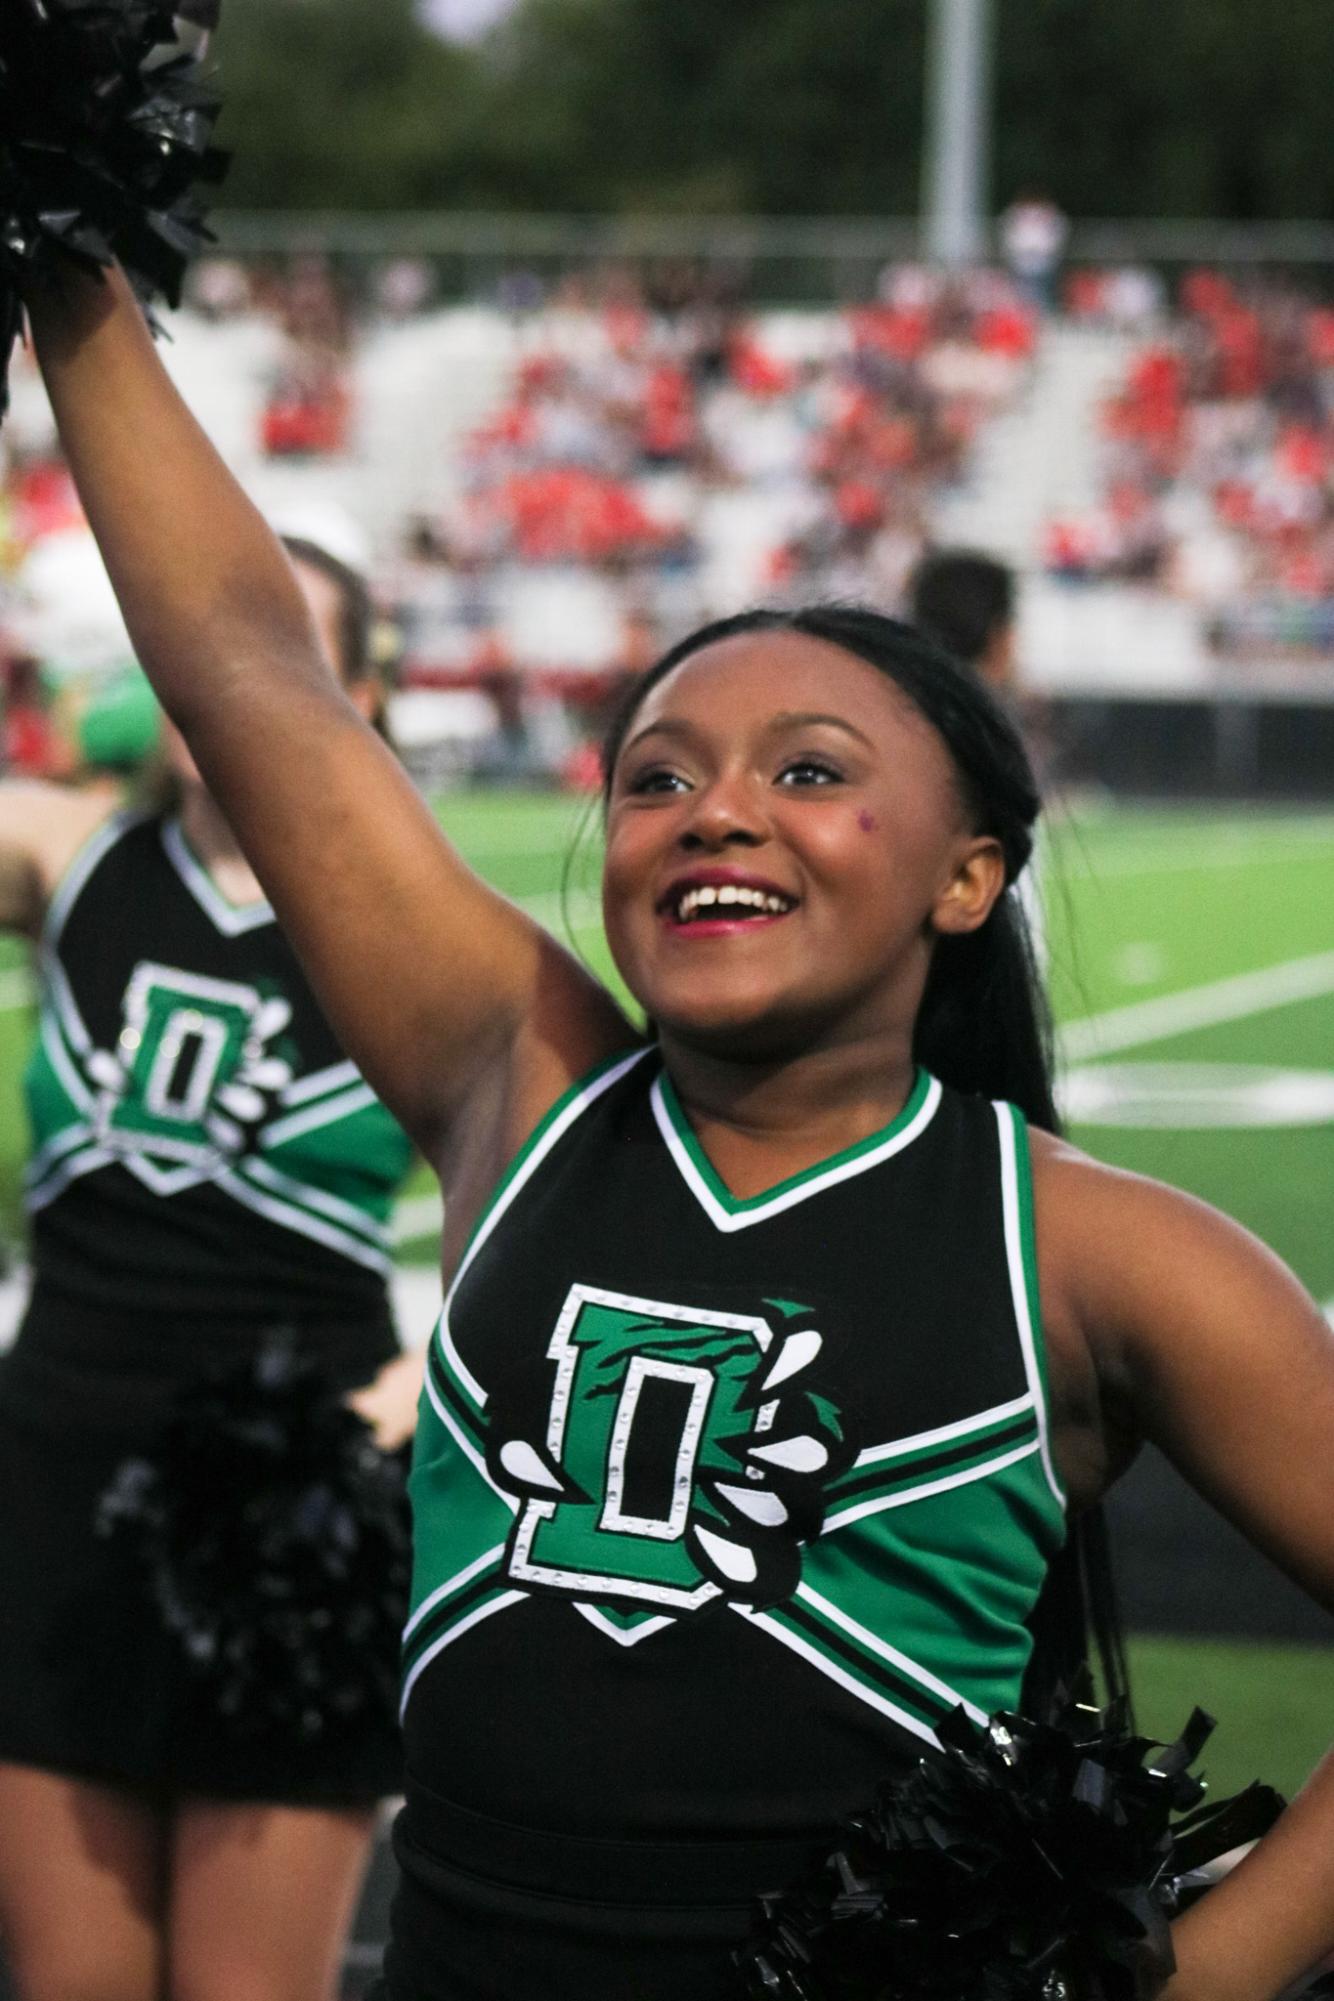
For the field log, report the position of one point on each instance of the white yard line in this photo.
(17, 989)
(1196, 1007)
(583, 907)
(1073, 867)
(416, 1216)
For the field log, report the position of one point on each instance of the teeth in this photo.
(729, 893)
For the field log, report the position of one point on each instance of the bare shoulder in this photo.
(1130, 1251)
(42, 828)
(1193, 1334)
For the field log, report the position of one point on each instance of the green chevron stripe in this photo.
(453, 1393)
(849, 1654)
(879, 1475)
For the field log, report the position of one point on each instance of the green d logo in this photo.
(190, 1069)
(676, 1460)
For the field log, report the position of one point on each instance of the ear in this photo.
(970, 894)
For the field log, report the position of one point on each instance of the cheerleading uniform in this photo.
(720, 1507)
(210, 1173)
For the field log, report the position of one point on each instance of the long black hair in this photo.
(983, 1025)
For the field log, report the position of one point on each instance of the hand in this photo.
(388, 1403)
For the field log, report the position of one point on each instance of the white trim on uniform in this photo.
(71, 1169)
(787, 1638)
(455, 1633)
(1014, 1254)
(334, 1078)
(288, 1188)
(813, 1182)
(312, 1117)
(875, 1645)
(578, 1103)
(860, 1509)
(79, 870)
(465, 1444)
(454, 1583)
(55, 1149)
(996, 1415)
(624, 1636)
(232, 919)
(305, 1225)
(76, 1090)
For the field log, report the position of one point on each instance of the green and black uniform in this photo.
(208, 1169)
(720, 1506)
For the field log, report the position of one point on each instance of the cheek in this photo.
(876, 860)
(628, 859)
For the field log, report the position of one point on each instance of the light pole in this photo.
(958, 131)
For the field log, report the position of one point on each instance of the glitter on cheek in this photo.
(867, 822)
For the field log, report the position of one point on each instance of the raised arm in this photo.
(436, 985)
(1205, 1344)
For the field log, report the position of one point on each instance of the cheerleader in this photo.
(780, 1347)
(210, 1174)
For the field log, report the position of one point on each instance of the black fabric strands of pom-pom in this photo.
(1023, 1862)
(276, 1541)
(105, 132)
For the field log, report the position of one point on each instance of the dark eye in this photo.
(655, 778)
(804, 771)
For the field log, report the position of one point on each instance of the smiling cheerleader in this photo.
(780, 1347)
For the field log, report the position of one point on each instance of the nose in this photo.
(724, 813)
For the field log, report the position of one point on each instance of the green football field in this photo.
(1191, 962)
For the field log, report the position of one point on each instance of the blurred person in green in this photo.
(209, 1173)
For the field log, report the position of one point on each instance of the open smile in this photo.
(707, 906)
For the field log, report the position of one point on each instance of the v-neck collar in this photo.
(731, 1212)
(232, 919)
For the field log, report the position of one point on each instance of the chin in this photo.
(732, 1030)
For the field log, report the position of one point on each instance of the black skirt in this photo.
(92, 1685)
(488, 1912)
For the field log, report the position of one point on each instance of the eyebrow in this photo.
(786, 719)
(804, 719)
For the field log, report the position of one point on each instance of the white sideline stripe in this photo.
(1197, 1007)
(1313, 844)
(418, 1216)
(17, 988)
(582, 907)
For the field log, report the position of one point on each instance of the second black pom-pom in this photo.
(1024, 1862)
(275, 1537)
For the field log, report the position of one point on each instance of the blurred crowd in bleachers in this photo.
(649, 468)
(653, 452)
(1219, 448)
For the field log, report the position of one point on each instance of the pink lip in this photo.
(721, 927)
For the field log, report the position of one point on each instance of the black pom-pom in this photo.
(1024, 1862)
(276, 1541)
(105, 133)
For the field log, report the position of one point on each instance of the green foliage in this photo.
(339, 104)
(1167, 107)
(1139, 107)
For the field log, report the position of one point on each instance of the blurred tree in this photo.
(1115, 107)
(340, 104)
(1167, 107)
(766, 105)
